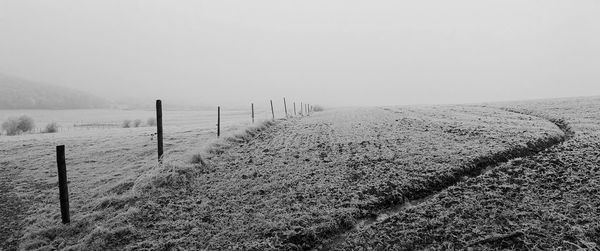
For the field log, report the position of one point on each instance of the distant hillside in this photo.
(17, 93)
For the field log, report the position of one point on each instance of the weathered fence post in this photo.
(285, 108)
(272, 111)
(63, 189)
(252, 113)
(159, 129)
(218, 121)
(294, 108)
(301, 109)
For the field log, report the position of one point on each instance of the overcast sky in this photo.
(332, 52)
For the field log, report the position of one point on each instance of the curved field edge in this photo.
(179, 178)
(104, 223)
(472, 169)
(264, 196)
(546, 201)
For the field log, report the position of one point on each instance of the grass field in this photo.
(100, 161)
(543, 201)
(101, 119)
(507, 175)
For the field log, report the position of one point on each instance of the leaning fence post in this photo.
(272, 111)
(252, 113)
(63, 189)
(159, 129)
(218, 121)
(285, 107)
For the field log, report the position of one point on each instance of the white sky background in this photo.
(331, 52)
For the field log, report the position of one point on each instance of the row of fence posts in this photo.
(307, 108)
(62, 166)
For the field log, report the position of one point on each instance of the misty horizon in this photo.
(333, 53)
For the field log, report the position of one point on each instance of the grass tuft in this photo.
(51, 128)
(126, 123)
(197, 159)
(137, 123)
(151, 122)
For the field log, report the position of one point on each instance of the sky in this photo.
(328, 52)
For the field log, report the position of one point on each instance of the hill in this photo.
(16, 93)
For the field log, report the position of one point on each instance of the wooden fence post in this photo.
(285, 107)
(301, 109)
(159, 129)
(272, 111)
(294, 109)
(218, 121)
(252, 113)
(63, 189)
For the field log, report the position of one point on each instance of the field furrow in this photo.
(301, 182)
(542, 201)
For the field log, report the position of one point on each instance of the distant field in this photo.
(70, 120)
(98, 159)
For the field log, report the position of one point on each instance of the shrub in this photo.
(137, 123)
(151, 122)
(26, 123)
(15, 126)
(11, 126)
(317, 108)
(51, 128)
(126, 123)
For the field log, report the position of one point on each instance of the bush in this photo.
(26, 123)
(51, 128)
(317, 108)
(151, 122)
(15, 126)
(137, 123)
(11, 126)
(126, 123)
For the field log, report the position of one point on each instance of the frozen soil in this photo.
(303, 181)
(100, 163)
(544, 201)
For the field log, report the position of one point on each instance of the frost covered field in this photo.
(99, 160)
(505, 175)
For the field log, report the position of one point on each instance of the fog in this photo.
(329, 52)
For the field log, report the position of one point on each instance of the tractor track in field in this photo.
(468, 171)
